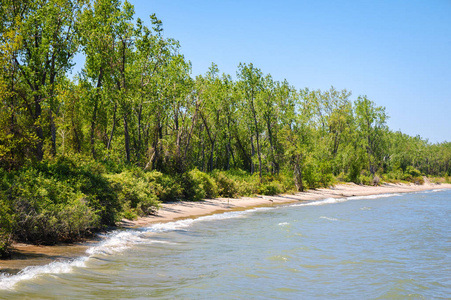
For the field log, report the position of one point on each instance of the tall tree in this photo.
(251, 85)
(371, 125)
(49, 41)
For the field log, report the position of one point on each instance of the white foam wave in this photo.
(9, 281)
(339, 200)
(284, 224)
(117, 241)
(183, 224)
(322, 202)
(435, 191)
(374, 196)
(327, 218)
(113, 242)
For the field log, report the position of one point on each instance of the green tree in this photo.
(250, 84)
(372, 129)
(49, 40)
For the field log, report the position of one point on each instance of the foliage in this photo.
(136, 192)
(166, 188)
(46, 210)
(134, 129)
(272, 187)
(6, 228)
(227, 187)
(198, 185)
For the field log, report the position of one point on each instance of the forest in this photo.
(134, 128)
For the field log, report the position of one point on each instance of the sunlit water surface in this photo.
(378, 247)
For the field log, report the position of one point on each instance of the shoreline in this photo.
(25, 255)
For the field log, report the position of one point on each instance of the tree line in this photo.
(135, 114)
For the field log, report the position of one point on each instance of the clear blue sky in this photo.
(398, 53)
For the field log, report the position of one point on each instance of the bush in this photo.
(271, 188)
(247, 184)
(412, 171)
(135, 191)
(198, 185)
(227, 187)
(165, 187)
(311, 177)
(413, 175)
(205, 182)
(86, 176)
(46, 210)
(191, 189)
(6, 225)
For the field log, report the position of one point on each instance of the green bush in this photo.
(166, 188)
(413, 175)
(192, 191)
(86, 176)
(135, 191)
(205, 182)
(412, 171)
(271, 188)
(46, 210)
(6, 226)
(311, 177)
(227, 187)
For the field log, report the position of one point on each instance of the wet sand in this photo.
(30, 255)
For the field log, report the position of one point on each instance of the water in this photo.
(377, 247)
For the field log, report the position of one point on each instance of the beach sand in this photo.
(30, 255)
(181, 210)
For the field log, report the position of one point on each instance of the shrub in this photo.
(271, 188)
(6, 225)
(412, 171)
(166, 188)
(198, 185)
(86, 176)
(135, 191)
(191, 189)
(227, 187)
(413, 175)
(46, 210)
(311, 176)
(205, 182)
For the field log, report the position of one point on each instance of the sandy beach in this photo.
(29, 255)
(181, 210)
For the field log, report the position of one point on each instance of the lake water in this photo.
(377, 247)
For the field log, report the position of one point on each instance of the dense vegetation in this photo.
(134, 129)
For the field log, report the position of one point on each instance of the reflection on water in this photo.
(391, 246)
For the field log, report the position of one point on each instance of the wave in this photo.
(374, 196)
(339, 200)
(115, 242)
(327, 218)
(9, 281)
(435, 191)
(322, 202)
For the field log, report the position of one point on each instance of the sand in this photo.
(181, 210)
(29, 255)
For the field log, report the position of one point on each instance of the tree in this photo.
(48, 42)
(372, 129)
(251, 85)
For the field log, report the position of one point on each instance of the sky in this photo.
(398, 53)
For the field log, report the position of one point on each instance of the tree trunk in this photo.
(112, 129)
(52, 132)
(126, 139)
(298, 174)
(39, 132)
